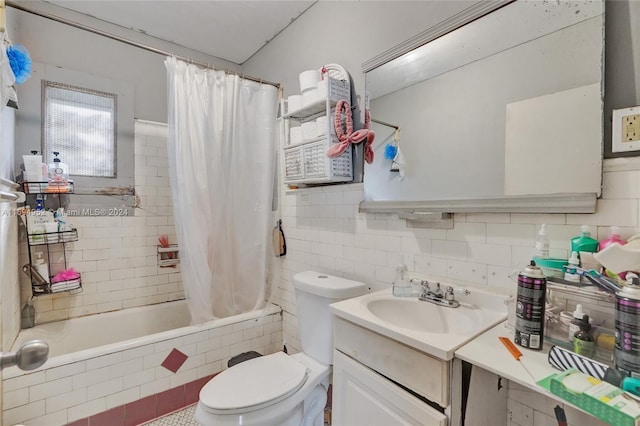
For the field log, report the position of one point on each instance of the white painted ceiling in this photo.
(231, 30)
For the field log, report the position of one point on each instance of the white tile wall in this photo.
(80, 389)
(325, 232)
(116, 255)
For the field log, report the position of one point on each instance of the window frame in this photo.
(57, 85)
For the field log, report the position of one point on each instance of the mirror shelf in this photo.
(553, 203)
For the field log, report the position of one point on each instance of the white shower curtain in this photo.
(221, 143)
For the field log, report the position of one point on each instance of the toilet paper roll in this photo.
(308, 130)
(322, 88)
(294, 103)
(309, 97)
(295, 135)
(309, 79)
(321, 126)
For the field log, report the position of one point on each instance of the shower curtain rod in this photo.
(131, 42)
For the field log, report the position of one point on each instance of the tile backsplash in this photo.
(325, 232)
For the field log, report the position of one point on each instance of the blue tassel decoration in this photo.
(390, 151)
(20, 62)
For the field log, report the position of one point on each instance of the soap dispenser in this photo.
(58, 171)
(401, 285)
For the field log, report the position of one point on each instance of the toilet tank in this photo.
(314, 293)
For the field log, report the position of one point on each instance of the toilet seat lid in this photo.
(254, 384)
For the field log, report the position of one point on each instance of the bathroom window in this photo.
(80, 123)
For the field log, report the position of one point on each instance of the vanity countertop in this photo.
(487, 352)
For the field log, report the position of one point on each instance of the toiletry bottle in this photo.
(28, 315)
(542, 243)
(574, 325)
(41, 266)
(39, 202)
(570, 273)
(401, 286)
(58, 171)
(583, 341)
(584, 242)
(614, 237)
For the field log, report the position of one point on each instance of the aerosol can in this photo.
(626, 354)
(530, 307)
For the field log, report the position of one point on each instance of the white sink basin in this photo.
(413, 314)
(434, 329)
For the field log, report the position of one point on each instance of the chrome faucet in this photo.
(436, 296)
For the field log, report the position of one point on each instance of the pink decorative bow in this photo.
(349, 137)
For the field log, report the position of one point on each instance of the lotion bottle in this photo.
(542, 243)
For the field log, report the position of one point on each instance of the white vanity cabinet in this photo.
(305, 158)
(379, 381)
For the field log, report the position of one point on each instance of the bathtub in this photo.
(108, 360)
(106, 331)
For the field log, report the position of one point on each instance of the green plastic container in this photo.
(551, 267)
(584, 242)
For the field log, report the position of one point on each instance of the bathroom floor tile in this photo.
(184, 417)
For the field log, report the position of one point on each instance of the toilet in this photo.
(281, 389)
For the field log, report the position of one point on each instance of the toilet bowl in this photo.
(275, 389)
(281, 389)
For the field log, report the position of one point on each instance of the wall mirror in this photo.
(500, 111)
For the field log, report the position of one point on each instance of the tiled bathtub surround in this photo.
(116, 255)
(68, 389)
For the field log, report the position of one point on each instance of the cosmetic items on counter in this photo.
(576, 319)
(614, 237)
(584, 242)
(530, 307)
(583, 341)
(570, 271)
(542, 243)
